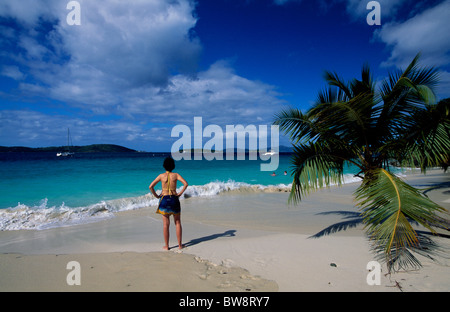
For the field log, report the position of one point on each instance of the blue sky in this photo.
(134, 69)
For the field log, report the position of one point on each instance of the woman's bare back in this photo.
(169, 187)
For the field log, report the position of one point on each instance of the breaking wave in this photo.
(40, 217)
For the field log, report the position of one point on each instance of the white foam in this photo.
(23, 217)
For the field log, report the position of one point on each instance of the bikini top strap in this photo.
(168, 182)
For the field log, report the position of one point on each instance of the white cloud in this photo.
(128, 43)
(28, 11)
(426, 32)
(358, 8)
(31, 128)
(218, 94)
(12, 72)
(133, 43)
(148, 113)
(135, 61)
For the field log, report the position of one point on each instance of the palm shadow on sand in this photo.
(436, 186)
(354, 219)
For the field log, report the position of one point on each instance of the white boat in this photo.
(269, 153)
(65, 154)
(69, 144)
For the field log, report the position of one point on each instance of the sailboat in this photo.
(69, 144)
(269, 153)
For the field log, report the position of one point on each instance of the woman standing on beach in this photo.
(169, 203)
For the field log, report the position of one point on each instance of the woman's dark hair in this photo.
(169, 164)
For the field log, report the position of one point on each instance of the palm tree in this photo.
(357, 123)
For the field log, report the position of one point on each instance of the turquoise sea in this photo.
(40, 190)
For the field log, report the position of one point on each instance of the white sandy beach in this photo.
(234, 242)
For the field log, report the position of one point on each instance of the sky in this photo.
(133, 70)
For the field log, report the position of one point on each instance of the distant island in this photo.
(281, 150)
(112, 148)
(93, 148)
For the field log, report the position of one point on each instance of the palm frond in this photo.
(364, 86)
(431, 149)
(388, 206)
(314, 167)
(427, 141)
(330, 95)
(333, 79)
(345, 122)
(404, 92)
(353, 122)
(296, 124)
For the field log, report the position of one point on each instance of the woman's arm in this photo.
(152, 185)
(185, 185)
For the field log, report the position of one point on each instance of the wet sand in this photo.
(251, 241)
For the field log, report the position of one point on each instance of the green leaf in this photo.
(389, 206)
(296, 124)
(314, 167)
(353, 122)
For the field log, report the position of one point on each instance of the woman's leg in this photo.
(166, 224)
(177, 219)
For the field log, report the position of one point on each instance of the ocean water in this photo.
(40, 190)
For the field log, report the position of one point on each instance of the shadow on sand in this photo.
(199, 240)
(353, 219)
(437, 186)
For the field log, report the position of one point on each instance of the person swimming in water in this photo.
(169, 203)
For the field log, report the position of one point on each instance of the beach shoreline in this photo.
(251, 241)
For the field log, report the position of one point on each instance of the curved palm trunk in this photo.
(352, 122)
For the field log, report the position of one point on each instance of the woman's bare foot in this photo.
(166, 248)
